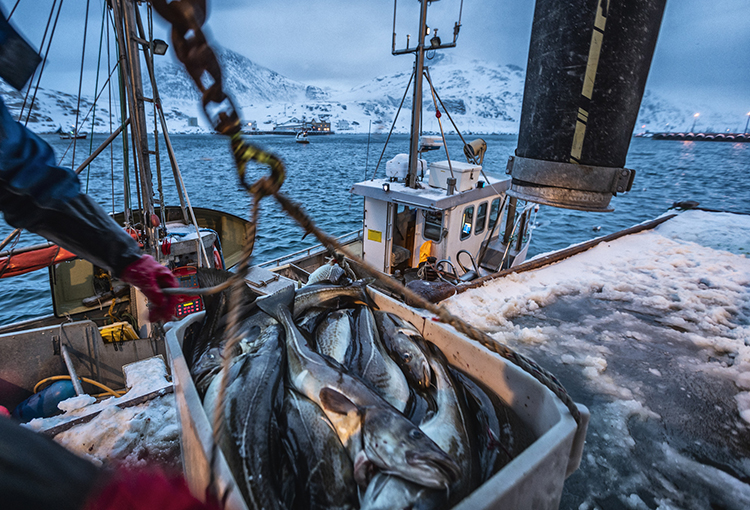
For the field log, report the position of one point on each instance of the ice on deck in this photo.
(144, 434)
(652, 333)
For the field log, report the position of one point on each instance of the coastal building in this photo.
(294, 124)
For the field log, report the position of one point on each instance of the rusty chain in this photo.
(192, 49)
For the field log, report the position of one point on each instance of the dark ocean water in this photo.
(319, 176)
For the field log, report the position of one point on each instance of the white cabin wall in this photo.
(377, 224)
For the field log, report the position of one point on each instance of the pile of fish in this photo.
(333, 404)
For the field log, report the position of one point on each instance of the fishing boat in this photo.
(436, 224)
(410, 220)
(301, 137)
(73, 136)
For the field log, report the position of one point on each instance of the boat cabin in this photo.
(403, 226)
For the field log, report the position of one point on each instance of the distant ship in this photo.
(703, 137)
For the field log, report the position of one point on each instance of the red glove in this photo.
(150, 276)
(146, 490)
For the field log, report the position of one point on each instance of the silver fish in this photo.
(325, 474)
(399, 340)
(449, 428)
(309, 321)
(328, 295)
(372, 363)
(252, 439)
(327, 273)
(333, 336)
(367, 425)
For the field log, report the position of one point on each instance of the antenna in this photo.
(423, 45)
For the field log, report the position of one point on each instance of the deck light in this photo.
(386, 187)
(435, 41)
(160, 47)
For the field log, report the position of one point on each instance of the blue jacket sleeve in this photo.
(39, 196)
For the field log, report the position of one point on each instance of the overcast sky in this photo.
(702, 56)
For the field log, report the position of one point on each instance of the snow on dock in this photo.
(652, 333)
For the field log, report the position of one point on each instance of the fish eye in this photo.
(415, 434)
(407, 357)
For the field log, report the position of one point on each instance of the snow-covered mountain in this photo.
(54, 110)
(481, 97)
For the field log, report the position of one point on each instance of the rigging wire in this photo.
(157, 157)
(14, 9)
(393, 125)
(88, 113)
(44, 37)
(109, 96)
(44, 61)
(80, 82)
(463, 140)
(440, 125)
(96, 88)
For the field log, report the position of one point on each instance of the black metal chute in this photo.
(587, 69)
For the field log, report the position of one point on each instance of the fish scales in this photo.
(372, 430)
(254, 399)
(325, 474)
(374, 365)
(450, 430)
(333, 337)
(402, 341)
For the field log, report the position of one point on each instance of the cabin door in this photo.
(404, 229)
(377, 234)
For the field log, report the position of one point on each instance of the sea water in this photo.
(320, 175)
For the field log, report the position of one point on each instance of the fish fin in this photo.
(271, 303)
(209, 277)
(336, 402)
(365, 290)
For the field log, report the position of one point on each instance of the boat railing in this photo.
(312, 250)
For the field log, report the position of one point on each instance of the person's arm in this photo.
(41, 197)
(37, 473)
(46, 199)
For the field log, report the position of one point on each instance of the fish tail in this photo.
(281, 299)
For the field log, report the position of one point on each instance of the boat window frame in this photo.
(466, 235)
(428, 227)
(479, 226)
(490, 222)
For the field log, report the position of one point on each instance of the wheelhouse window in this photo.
(494, 213)
(433, 225)
(467, 222)
(481, 218)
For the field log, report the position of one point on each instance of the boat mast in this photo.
(128, 41)
(419, 51)
(416, 105)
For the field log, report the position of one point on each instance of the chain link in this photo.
(192, 49)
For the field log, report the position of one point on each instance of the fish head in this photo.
(397, 446)
(413, 360)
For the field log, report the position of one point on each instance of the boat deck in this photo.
(652, 333)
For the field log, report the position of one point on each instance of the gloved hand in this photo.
(150, 276)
